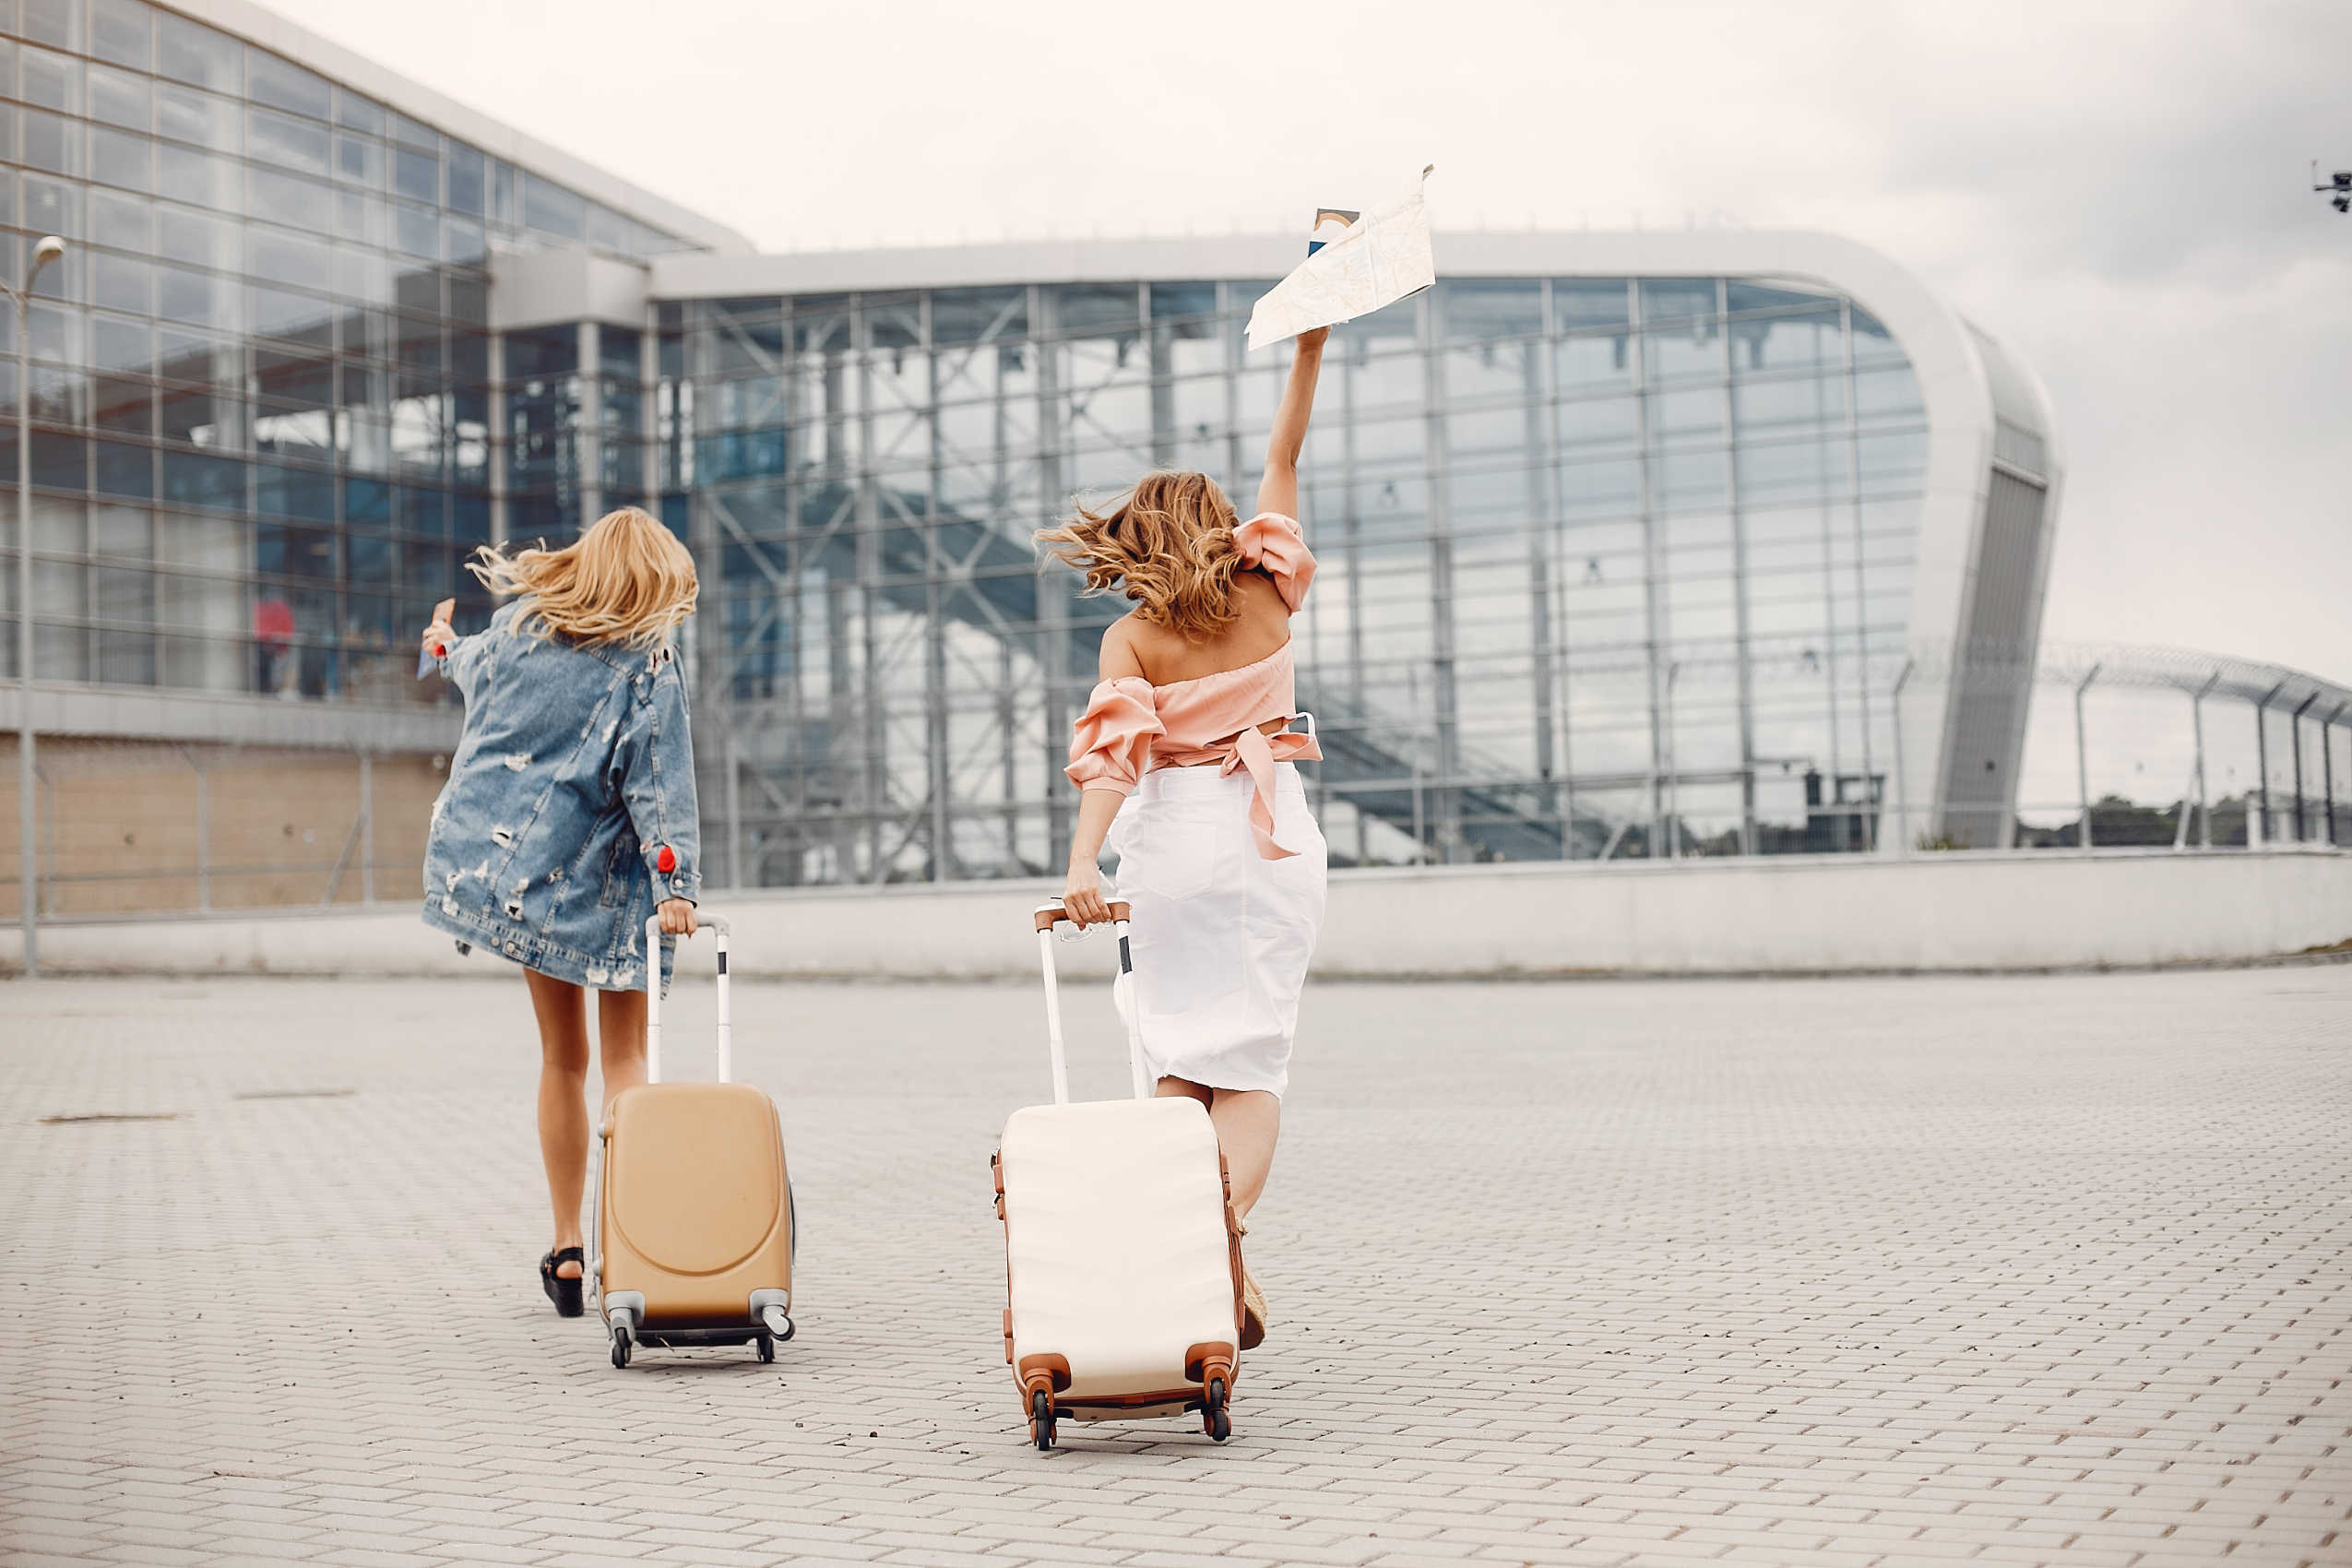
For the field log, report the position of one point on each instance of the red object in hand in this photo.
(666, 861)
(439, 651)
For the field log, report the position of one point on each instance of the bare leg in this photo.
(620, 1039)
(1248, 1120)
(563, 1103)
(1247, 1123)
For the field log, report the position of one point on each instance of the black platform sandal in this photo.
(565, 1293)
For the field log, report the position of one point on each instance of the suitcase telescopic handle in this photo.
(718, 927)
(1045, 918)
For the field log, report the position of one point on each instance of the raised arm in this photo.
(1278, 491)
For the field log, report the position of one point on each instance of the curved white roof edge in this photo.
(260, 26)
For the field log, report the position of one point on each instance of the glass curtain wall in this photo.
(1610, 566)
(261, 384)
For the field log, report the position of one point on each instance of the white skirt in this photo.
(1221, 936)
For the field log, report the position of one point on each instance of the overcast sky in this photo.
(2118, 189)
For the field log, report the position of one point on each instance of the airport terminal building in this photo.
(1632, 544)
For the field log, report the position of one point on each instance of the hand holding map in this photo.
(1380, 258)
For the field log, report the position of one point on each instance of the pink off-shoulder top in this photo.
(1132, 727)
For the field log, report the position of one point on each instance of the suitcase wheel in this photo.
(1215, 1420)
(766, 1345)
(621, 1341)
(1041, 1419)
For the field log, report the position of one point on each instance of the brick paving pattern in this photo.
(2011, 1271)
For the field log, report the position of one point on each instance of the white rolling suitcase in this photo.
(1123, 1261)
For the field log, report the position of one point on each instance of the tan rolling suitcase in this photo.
(1123, 1262)
(693, 1214)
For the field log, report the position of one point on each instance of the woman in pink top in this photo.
(1186, 757)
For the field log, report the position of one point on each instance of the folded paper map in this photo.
(1378, 259)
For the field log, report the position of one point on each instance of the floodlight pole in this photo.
(28, 883)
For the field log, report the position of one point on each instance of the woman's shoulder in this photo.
(1127, 644)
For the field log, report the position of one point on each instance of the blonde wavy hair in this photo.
(627, 580)
(1168, 545)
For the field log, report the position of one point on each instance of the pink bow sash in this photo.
(1258, 752)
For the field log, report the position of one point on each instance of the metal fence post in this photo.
(2258, 821)
(203, 832)
(367, 826)
(2294, 745)
(2082, 757)
(2327, 767)
(1673, 770)
(1902, 794)
(2197, 724)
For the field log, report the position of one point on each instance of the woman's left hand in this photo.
(677, 917)
(1082, 897)
(1313, 336)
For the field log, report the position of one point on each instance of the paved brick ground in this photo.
(1904, 1272)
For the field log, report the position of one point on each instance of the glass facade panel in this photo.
(220, 395)
(1596, 576)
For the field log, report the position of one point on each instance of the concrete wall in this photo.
(1830, 914)
(118, 825)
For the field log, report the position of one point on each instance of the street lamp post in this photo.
(27, 884)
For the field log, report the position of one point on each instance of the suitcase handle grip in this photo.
(1048, 916)
(718, 928)
(1045, 918)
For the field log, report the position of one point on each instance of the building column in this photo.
(872, 725)
(936, 587)
(1742, 632)
(1654, 631)
(650, 409)
(501, 440)
(1053, 598)
(1435, 461)
(589, 438)
(1542, 480)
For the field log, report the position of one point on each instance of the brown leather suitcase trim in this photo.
(1215, 1359)
(1047, 1369)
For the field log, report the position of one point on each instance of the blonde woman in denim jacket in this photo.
(569, 815)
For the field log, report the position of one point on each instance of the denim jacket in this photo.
(569, 810)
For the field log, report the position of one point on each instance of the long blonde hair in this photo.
(1168, 546)
(627, 580)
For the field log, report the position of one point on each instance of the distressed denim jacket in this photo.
(569, 812)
